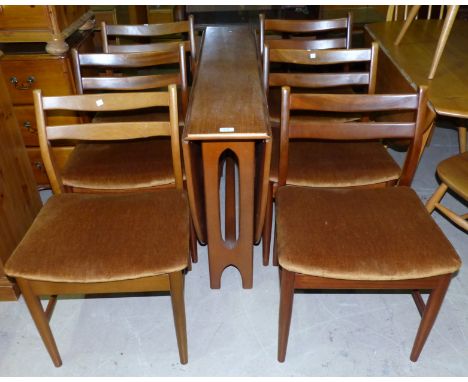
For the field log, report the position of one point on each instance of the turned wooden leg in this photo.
(40, 319)
(412, 14)
(267, 226)
(462, 138)
(429, 316)
(435, 198)
(285, 311)
(176, 280)
(57, 46)
(448, 23)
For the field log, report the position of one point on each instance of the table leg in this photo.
(223, 253)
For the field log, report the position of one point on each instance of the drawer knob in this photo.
(23, 85)
(27, 125)
(39, 165)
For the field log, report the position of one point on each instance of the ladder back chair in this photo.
(363, 239)
(134, 165)
(307, 34)
(168, 33)
(453, 174)
(318, 163)
(104, 243)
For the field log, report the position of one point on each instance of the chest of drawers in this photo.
(27, 65)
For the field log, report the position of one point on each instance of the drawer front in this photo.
(24, 17)
(37, 164)
(27, 124)
(38, 167)
(23, 76)
(26, 118)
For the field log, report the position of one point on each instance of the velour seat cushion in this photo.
(360, 234)
(120, 165)
(95, 238)
(454, 172)
(334, 164)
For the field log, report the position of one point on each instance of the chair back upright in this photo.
(359, 130)
(276, 52)
(107, 131)
(308, 34)
(168, 35)
(105, 78)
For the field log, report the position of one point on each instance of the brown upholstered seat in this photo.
(335, 164)
(124, 165)
(109, 238)
(454, 172)
(365, 234)
(114, 242)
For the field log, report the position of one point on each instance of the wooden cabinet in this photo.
(27, 66)
(19, 199)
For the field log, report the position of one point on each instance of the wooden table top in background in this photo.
(227, 91)
(448, 91)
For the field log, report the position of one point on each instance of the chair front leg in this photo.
(285, 312)
(429, 315)
(40, 319)
(176, 280)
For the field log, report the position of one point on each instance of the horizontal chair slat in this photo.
(307, 26)
(320, 57)
(326, 43)
(150, 47)
(106, 102)
(109, 131)
(148, 29)
(353, 102)
(130, 83)
(350, 130)
(318, 80)
(129, 60)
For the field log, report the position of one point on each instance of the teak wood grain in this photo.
(448, 91)
(19, 199)
(227, 91)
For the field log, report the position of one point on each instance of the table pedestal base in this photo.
(230, 250)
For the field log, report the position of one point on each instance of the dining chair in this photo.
(104, 243)
(453, 173)
(168, 36)
(318, 163)
(359, 239)
(131, 165)
(400, 12)
(308, 34)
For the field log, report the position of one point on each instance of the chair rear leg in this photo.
(193, 243)
(462, 138)
(429, 315)
(285, 311)
(266, 233)
(178, 308)
(40, 319)
(436, 197)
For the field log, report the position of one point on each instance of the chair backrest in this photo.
(114, 82)
(319, 58)
(360, 130)
(150, 30)
(313, 29)
(400, 12)
(108, 131)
